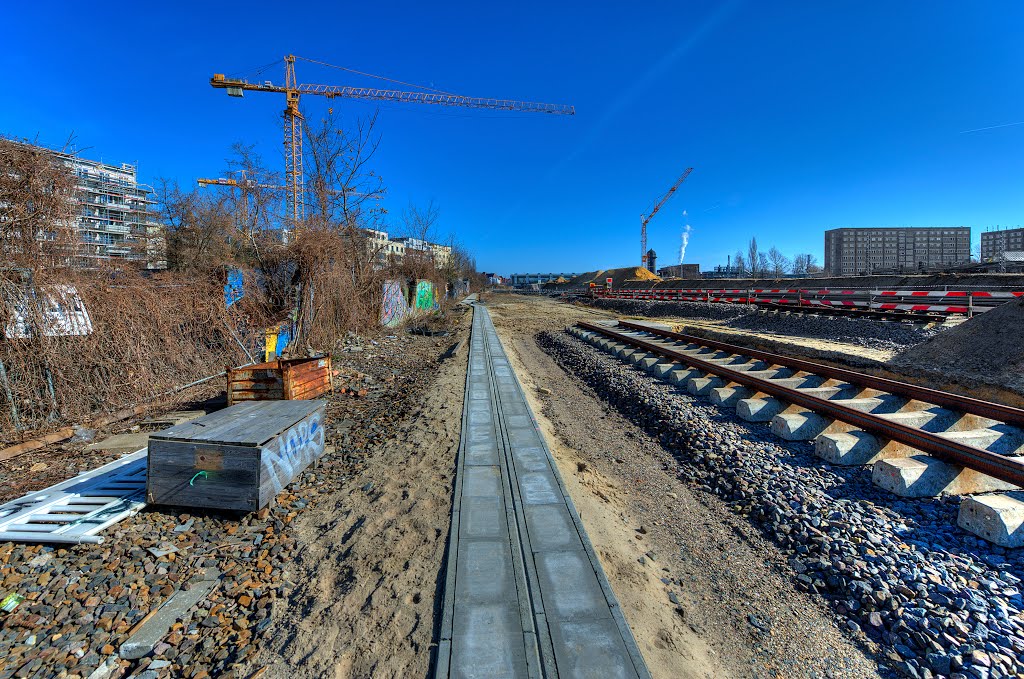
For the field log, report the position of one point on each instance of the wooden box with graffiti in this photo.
(238, 458)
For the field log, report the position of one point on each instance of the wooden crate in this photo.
(236, 458)
(288, 379)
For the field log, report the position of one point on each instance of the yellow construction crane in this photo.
(646, 218)
(292, 89)
(250, 184)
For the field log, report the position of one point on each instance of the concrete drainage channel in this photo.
(851, 421)
(524, 595)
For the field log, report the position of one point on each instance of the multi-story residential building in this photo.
(112, 218)
(388, 249)
(442, 255)
(853, 251)
(994, 244)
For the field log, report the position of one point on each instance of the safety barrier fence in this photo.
(968, 302)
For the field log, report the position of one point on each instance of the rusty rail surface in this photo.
(998, 466)
(966, 404)
(853, 312)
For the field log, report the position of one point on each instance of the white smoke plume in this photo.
(685, 237)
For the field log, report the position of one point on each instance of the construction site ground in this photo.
(693, 579)
(338, 577)
(342, 576)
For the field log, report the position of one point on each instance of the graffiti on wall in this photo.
(394, 308)
(424, 296)
(276, 339)
(234, 289)
(292, 451)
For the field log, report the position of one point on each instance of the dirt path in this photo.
(368, 573)
(696, 605)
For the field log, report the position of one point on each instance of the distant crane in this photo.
(292, 89)
(647, 218)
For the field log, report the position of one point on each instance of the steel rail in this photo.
(904, 316)
(998, 466)
(966, 404)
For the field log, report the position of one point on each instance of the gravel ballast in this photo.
(886, 336)
(705, 311)
(938, 601)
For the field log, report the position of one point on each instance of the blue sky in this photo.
(796, 116)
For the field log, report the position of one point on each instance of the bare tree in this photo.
(778, 263)
(753, 258)
(419, 226)
(739, 263)
(763, 265)
(37, 208)
(199, 227)
(805, 263)
(341, 188)
(254, 203)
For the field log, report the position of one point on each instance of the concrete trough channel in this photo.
(524, 592)
(948, 445)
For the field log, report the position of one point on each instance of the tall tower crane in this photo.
(647, 218)
(293, 89)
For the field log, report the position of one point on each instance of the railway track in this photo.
(524, 592)
(887, 304)
(852, 312)
(920, 441)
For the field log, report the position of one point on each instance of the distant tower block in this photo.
(651, 257)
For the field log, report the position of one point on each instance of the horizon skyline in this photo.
(788, 135)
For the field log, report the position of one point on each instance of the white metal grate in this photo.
(79, 508)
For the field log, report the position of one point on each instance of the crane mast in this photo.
(644, 219)
(293, 89)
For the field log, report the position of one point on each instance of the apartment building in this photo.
(113, 216)
(854, 251)
(388, 249)
(994, 244)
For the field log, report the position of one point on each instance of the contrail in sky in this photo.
(993, 127)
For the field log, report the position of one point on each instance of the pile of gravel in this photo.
(705, 311)
(938, 600)
(886, 336)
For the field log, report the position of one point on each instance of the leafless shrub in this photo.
(37, 207)
(141, 337)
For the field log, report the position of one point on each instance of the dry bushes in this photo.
(339, 288)
(37, 207)
(142, 336)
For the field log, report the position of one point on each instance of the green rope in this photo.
(198, 474)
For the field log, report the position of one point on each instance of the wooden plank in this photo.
(250, 423)
(213, 476)
(267, 420)
(288, 454)
(208, 424)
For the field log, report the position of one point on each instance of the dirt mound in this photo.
(987, 348)
(618, 276)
